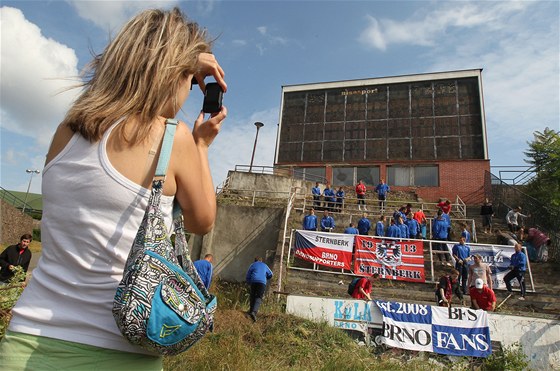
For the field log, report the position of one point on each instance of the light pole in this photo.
(31, 172)
(258, 125)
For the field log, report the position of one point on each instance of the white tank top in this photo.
(91, 214)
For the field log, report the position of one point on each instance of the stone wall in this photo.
(14, 224)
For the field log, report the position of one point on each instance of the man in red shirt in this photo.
(445, 206)
(421, 219)
(361, 194)
(363, 287)
(482, 297)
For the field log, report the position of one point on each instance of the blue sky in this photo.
(263, 45)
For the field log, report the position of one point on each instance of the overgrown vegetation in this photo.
(9, 294)
(279, 341)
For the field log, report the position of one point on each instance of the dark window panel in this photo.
(355, 130)
(313, 132)
(376, 149)
(334, 131)
(335, 106)
(426, 176)
(398, 175)
(370, 175)
(421, 100)
(292, 133)
(315, 107)
(332, 150)
(399, 128)
(446, 126)
(447, 148)
(472, 147)
(399, 149)
(469, 99)
(470, 125)
(290, 152)
(343, 176)
(377, 103)
(422, 127)
(354, 150)
(376, 129)
(423, 149)
(399, 102)
(294, 106)
(356, 107)
(445, 98)
(312, 151)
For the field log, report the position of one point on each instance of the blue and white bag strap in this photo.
(166, 147)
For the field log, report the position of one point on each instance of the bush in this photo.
(9, 294)
(510, 358)
(37, 235)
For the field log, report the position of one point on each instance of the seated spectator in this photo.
(446, 287)
(363, 287)
(380, 227)
(505, 238)
(482, 296)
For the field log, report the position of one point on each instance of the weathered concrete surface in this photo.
(240, 234)
(269, 185)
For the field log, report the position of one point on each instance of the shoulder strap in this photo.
(165, 154)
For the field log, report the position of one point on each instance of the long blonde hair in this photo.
(138, 74)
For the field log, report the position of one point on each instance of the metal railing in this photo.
(18, 203)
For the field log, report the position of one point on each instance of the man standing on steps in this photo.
(364, 225)
(257, 276)
(316, 192)
(310, 221)
(382, 189)
(461, 253)
(361, 194)
(518, 268)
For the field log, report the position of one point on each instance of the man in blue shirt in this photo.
(465, 233)
(412, 225)
(462, 254)
(364, 225)
(316, 192)
(351, 229)
(257, 276)
(340, 199)
(328, 196)
(327, 222)
(204, 269)
(380, 227)
(382, 189)
(393, 230)
(440, 232)
(310, 221)
(403, 227)
(518, 268)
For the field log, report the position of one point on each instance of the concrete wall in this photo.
(540, 338)
(14, 224)
(267, 183)
(240, 234)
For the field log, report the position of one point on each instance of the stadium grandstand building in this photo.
(424, 133)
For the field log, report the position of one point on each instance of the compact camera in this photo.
(212, 98)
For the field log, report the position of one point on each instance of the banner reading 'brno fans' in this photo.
(392, 259)
(329, 249)
(455, 331)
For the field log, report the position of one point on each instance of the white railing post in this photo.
(288, 211)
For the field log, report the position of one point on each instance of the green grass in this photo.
(34, 200)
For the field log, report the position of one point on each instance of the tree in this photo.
(544, 155)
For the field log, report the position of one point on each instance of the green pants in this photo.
(28, 352)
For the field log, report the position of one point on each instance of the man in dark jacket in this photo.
(257, 275)
(13, 256)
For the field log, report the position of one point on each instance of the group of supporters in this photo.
(331, 200)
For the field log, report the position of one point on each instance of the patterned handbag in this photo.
(160, 304)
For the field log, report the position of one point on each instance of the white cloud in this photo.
(239, 42)
(516, 43)
(110, 15)
(424, 29)
(234, 145)
(34, 71)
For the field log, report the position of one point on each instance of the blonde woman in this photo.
(96, 185)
